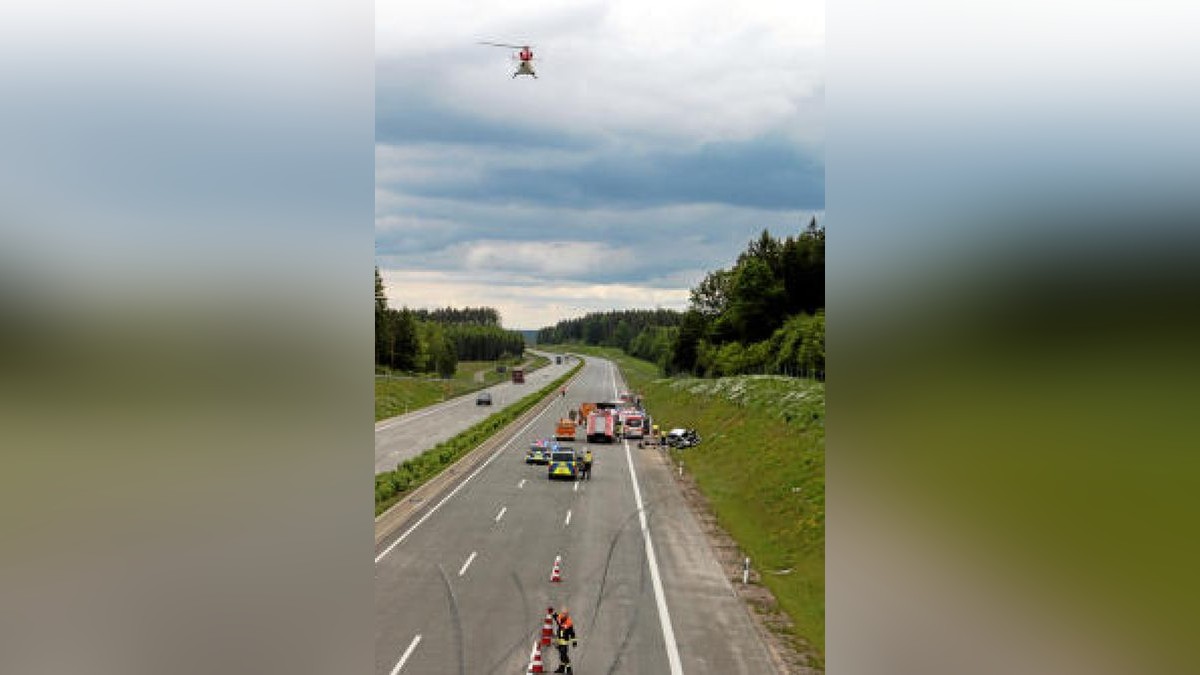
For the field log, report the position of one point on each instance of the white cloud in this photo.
(668, 72)
(554, 259)
(531, 305)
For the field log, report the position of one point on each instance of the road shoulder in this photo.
(717, 632)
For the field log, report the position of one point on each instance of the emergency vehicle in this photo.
(632, 423)
(601, 426)
(539, 451)
(585, 409)
(565, 431)
(563, 464)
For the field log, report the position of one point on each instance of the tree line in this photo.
(470, 316)
(765, 314)
(424, 341)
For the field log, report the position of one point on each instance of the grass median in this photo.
(392, 486)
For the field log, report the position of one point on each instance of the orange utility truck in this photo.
(565, 431)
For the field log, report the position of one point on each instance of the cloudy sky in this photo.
(658, 140)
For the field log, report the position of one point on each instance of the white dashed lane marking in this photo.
(407, 653)
(466, 564)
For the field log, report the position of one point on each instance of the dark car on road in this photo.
(484, 399)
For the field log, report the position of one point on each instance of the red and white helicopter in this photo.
(524, 56)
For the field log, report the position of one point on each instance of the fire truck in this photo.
(601, 426)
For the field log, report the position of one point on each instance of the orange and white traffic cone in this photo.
(535, 660)
(548, 628)
(556, 574)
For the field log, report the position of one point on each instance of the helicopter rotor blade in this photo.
(501, 44)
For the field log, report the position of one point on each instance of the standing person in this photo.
(564, 640)
(587, 464)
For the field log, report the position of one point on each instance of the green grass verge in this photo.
(762, 467)
(408, 393)
(392, 486)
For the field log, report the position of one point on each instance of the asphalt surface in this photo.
(464, 586)
(406, 436)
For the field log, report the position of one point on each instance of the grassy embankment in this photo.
(761, 464)
(407, 393)
(392, 486)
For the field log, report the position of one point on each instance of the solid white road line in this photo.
(458, 487)
(407, 653)
(463, 569)
(501, 514)
(660, 597)
(568, 520)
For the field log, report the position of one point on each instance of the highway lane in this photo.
(406, 436)
(473, 580)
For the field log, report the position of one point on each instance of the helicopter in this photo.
(525, 56)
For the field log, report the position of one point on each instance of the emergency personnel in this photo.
(587, 464)
(564, 639)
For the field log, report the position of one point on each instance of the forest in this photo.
(764, 314)
(434, 341)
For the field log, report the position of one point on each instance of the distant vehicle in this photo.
(484, 398)
(558, 360)
(539, 452)
(626, 397)
(518, 375)
(563, 464)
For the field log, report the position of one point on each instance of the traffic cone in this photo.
(548, 628)
(535, 660)
(556, 574)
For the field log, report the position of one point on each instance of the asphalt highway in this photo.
(406, 436)
(464, 586)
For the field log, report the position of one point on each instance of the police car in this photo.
(563, 464)
(539, 452)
